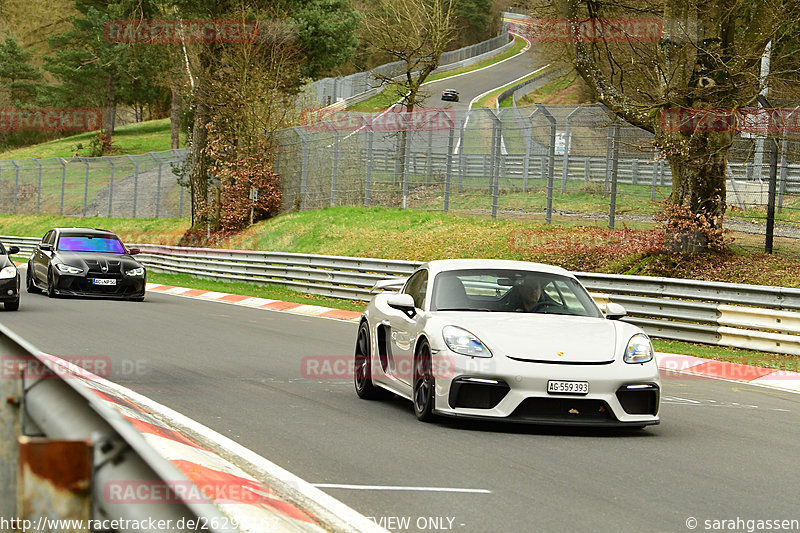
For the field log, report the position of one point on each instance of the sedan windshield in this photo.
(90, 243)
(511, 291)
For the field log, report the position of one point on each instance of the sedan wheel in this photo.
(33, 289)
(51, 285)
(12, 306)
(424, 384)
(363, 368)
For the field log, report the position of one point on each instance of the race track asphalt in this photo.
(723, 451)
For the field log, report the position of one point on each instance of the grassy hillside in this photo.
(150, 136)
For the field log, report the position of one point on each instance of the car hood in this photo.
(96, 260)
(542, 337)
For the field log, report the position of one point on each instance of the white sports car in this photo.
(505, 340)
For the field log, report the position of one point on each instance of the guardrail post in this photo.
(612, 204)
(304, 168)
(16, 184)
(784, 162)
(635, 172)
(406, 139)
(135, 182)
(448, 172)
(63, 182)
(368, 174)
(551, 157)
(462, 160)
(586, 166)
(567, 143)
(335, 172)
(110, 184)
(428, 161)
(85, 185)
(158, 186)
(39, 186)
(609, 147)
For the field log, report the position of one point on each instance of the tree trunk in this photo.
(199, 166)
(699, 174)
(175, 117)
(111, 107)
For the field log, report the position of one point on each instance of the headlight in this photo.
(135, 272)
(639, 350)
(67, 269)
(463, 342)
(8, 272)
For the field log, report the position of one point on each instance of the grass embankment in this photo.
(150, 136)
(392, 94)
(421, 236)
(565, 90)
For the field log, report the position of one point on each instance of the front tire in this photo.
(11, 306)
(51, 284)
(362, 373)
(424, 384)
(29, 285)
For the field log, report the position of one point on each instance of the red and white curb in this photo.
(251, 503)
(736, 372)
(257, 303)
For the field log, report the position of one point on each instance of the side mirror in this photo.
(13, 250)
(615, 311)
(134, 251)
(46, 247)
(402, 302)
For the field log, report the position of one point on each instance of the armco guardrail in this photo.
(55, 401)
(726, 314)
(100, 455)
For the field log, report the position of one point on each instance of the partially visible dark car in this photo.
(9, 279)
(85, 262)
(450, 94)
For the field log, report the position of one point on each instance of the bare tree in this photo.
(706, 58)
(415, 33)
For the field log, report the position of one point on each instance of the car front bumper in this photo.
(9, 289)
(620, 394)
(80, 285)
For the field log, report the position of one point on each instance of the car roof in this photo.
(84, 231)
(443, 265)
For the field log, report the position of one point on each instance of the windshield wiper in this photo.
(463, 309)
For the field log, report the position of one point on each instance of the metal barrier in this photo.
(727, 314)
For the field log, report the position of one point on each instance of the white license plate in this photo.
(568, 387)
(98, 281)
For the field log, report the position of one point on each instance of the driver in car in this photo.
(528, 297)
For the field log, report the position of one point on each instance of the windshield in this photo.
(90, 243)
(511, 291)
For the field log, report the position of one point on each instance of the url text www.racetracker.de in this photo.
(750, 525)
(152, 525)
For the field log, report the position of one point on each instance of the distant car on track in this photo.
(85, 262)
(505, 340)
(450, 94)
(9, 279)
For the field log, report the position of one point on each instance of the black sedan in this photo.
(450, 94)
(9, 279)
(85, 262)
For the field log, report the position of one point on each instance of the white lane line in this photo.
(507, 84)
(399, 488)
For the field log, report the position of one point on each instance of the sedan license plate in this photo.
(98, 281)
(568, 387)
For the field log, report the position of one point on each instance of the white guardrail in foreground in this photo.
(78, 447)
(725, 314)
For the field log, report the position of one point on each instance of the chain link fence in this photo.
(555, 162)
(113, 186)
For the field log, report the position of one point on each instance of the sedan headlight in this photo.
(68, 269)
(8, 272)
(463, 342)
(639, 350)
(139, 271)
